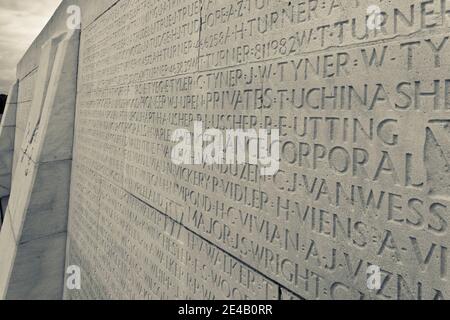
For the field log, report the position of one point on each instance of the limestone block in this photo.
(287, 295)
(4, 204)
(363, 118)
(364, 179)
(6, 155)
(57, 117)
(43, 208)
(38, 206)
(18, 139)
(26, 87)
(5, 170)
(5, 189)
(3, 98)
(8, 247)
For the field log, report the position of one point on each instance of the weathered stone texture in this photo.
(3, 98)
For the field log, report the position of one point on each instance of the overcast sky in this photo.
(20, 23)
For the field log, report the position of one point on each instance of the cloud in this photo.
(20, 23)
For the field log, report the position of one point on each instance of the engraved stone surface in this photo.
(362, 105)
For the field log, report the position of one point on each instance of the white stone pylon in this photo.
(33, 238)
(7, 133)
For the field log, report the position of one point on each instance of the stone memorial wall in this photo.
(361, 103)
